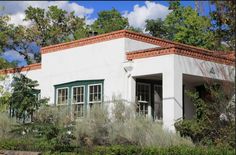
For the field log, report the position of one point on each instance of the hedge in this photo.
(47, 148)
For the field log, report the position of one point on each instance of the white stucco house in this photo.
(149, 71)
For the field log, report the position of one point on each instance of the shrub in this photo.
(213, 123)
(173, 150)
(25, 144)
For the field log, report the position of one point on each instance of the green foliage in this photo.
(109, 21)
(46, 148)
(4, 64)
(4, 94)
(213, 123)
(25, 144)
(183, 25)
(4, 31)
(174, 150)
(157, 28)
(24, 100)
(52, 125)
(54, 26)
(47, 28)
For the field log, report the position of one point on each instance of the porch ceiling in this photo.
(150, 77)
(197, 80)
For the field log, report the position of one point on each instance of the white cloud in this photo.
(16, 9)
(151, 10)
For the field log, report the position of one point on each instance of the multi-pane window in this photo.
(78, 100)
(143, 97)
(95, 94)
(78, 94)
(62, 96)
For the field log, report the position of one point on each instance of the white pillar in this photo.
(132, 90)
(172, 98)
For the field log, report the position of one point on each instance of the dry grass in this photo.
(123, 127)
(6, 125)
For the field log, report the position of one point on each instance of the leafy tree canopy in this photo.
(47, 28)
(183, 25)
(109, 21)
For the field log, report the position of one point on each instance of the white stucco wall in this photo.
(91, 62)
(133, 45)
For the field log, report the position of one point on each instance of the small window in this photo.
(62, 96)
(78, 100)
(95, 94)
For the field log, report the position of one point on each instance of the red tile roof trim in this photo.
(116, 35)
(184, 51)
(21, 69)
(82, 42)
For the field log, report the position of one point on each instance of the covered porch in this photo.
(155, 99)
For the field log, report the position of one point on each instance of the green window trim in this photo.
(85, 84)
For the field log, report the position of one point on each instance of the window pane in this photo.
(78, 93)
(143, 96)
(78, 110)
(95, 93)
(62, 96)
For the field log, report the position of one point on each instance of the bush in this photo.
(25, 144)
(173, 150)
(42, 146)
(51, 125)
(213, 123)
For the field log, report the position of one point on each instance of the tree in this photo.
(183, 25)
(6, 33)
(109, 21)
(223, 22)
(47, 28)
(4, 64)
(24, 99)
(54, 26)
(157, 28)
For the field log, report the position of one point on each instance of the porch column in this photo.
(172, 98)
(132, 90)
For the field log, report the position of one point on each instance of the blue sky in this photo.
(136, 12)
(128, 5)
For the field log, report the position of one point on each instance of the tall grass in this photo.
(6, 125)
(123, 127)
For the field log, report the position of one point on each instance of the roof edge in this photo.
(228, 60)
(115, 35)
(21, 69)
